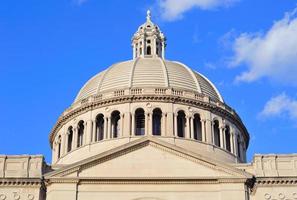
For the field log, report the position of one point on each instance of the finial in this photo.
(148, 15)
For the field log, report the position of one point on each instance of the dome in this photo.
(149, 73)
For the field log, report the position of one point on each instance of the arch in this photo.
(216, 133)
(80, 133)
(115, 123)
(181, 123)
(228, 138)
(139, 121)
(69, 138)
(148, 50)
(99, 134)
(157, 118)
(197, 127)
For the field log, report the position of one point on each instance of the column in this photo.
(235, 144)
(146, 123)
(163, 50)
(134, 50)
(64, 143)
(222, 130)
(122, 125)
(74, 139)
(133, 125)
(192, 128)
(175, 124)
(94, 132)
(187, 133)
(89, 131)
(108, 128)
(209, 131)
(203, 130)
(169, 124)
(150, 128)
(105, 128)
(231, 142)
(163, 124)
(127, 124)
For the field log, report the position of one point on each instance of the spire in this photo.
(148, 41)
(148, 15)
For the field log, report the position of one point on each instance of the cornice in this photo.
(231, 116)
(24, 182)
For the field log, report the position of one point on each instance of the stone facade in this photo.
(149, 129)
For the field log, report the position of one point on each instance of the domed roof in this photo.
(152, 72)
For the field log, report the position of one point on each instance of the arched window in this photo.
(197, 127)
(216, 133)
(99, 127)
(157, 116)
(140, 122)
(80, 133)
(227, 136)
(69, 139)
(157, 51)
(115, 123)
(59, 146)
(149, 50)
(181, 123)
(238, 147)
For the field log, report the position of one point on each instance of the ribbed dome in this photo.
(148, 73)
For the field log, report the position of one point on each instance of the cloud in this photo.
(272, 55)
(281, 105)
(174, 9)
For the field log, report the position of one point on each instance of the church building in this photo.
(149, 129)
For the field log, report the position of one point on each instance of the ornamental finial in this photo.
(148, 15)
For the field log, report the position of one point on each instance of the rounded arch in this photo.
(115, 123)
(80, 133)
(69, 138)
(216, 133)
(149, 50)
(228, 138)
(99, 131)
(197, 127)
(157, 121)
(181, 123)
(139, 121)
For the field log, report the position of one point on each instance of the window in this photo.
(181, 123)
(238, 147)
(115, 123)
(70, 139)
(227, 136)
(216, 133)
(59, 146)
(80, 133)
(197, 127)
(148, 41)
(148, 50)
(157, 116)
(140, 122)
(99, 127)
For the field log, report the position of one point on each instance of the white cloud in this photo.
(174, 9)
(272, 54)
(280, 105)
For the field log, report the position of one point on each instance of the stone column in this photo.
(222, 133)
(105, 128)
(133, 125)
(187, 133)
(232, 142)
(163, 124)
(209, 131)
(134, 51)
(89, 132)
(127, 124)
(163, 50)
(169, 124)
(203, 130)
(94, 131)
(74, 139)
(175, 125)
(122, 125)
(235, 144)
(64, 143)
(109, 128)
(192, 128)
(150, 123)
(146, 130)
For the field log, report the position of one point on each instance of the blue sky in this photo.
(50, 48)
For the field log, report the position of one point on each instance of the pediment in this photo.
(148, 158)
